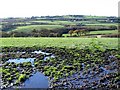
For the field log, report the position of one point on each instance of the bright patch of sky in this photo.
(28, 8)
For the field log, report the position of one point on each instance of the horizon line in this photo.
(57, 15)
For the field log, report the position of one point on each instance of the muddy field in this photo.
(51, 67)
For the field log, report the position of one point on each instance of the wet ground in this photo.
(38, 80)
(90, 78)
(85, 74)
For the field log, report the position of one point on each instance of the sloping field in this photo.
(37, 27)
(104, 32)
(104, 24)
(58, 22)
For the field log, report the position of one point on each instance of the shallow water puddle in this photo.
(22, 60)
(38, 80)
(45, 58)
(45, 53)
(1, 53)
(38, 52)
(48, 57)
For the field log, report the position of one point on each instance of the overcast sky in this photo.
(27, 8)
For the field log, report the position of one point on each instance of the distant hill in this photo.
(58, 24)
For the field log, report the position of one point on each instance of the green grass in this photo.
(42, 21)
(37, 27)
(3, 22)
(56, 22)
(103, 24)
(105, 32)
(56, 42)
(60, 22)
(0, 69)
(65, 22)
(87, 22)
(0, 26)
(21, 23)
(89, 16)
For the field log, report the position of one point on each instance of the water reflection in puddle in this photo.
(48, 57)
(38, 80)
(38, 52)
(22, 60)
(45, 53)
(1, 53)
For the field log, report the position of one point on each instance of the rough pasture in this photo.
(57, 42)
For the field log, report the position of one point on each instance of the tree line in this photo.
(33, 33)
